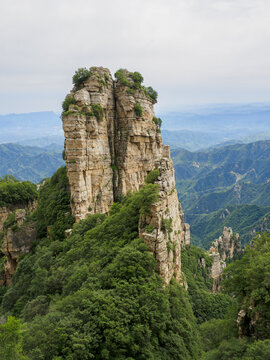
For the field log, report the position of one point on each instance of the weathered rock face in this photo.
(164, 228)
(6, 211)
(225, 247)
(17, 240)
(109, 157)
(88, 146)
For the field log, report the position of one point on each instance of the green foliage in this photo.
(215, 331)
(196, 265)
(232, 178)
(11, 340)
(167, 225)
(53, 210)
(98, 112)
(137, 78)
(121, 76)
(149, 229)
(97, 295)
(152, 176)
(17, 192)
(134, 81)
(8, 179)
(259, 350)
(69, 100)
(157, 121)
(130, 91)
(10, 221)
(248, 280)
(151, 93)
(81, 75)
(138, 110)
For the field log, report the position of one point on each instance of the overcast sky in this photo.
(190, 51)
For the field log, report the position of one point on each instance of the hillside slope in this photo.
(216, 186)
(28, 162)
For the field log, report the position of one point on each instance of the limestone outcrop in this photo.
(18, 239)
(109, 154)
(225, 247)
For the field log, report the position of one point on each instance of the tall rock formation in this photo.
(222, 249)
(112, 143)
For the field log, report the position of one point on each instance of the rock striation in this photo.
(222, 249)
(17, 240)
(110, 155)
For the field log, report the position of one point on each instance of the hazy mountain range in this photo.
(225, 186)
(192, 129)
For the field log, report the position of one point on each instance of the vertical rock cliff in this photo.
(222, 249)
(112, 143)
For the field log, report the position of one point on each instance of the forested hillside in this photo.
(95, 293)
(227, 186)
(29, 162)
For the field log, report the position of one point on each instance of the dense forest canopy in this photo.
(95, 294)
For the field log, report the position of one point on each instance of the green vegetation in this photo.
(151, 93)
(98, 112)
(152, 176)
(134, 82)
(96, 294)
(225, 186)
(29, 162)
(137, 78)
(149, 229)
(81, 75)
(69, 100)
(11, 340)
(247, 280)
(244, 219)
(167, 225)
(157, 121)
(138, 110)
(12, 192)
(53, 210)
(196, 265)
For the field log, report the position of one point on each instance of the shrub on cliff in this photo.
(137, 78)
(157, 121)
(125, 78)
(98, 111)
(80, 76)
(138, 110)
(69, 100)
(149, 91)
(152, 176)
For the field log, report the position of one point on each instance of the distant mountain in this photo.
(202, 127)
(55, 140)
(198, 140)
(28, 162)
(210, 181)
(22, 127)
(247, 220)
(215, 118)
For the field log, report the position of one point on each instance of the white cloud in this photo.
(191, 51)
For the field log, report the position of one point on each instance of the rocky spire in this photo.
(112, 142)
(222, 249)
